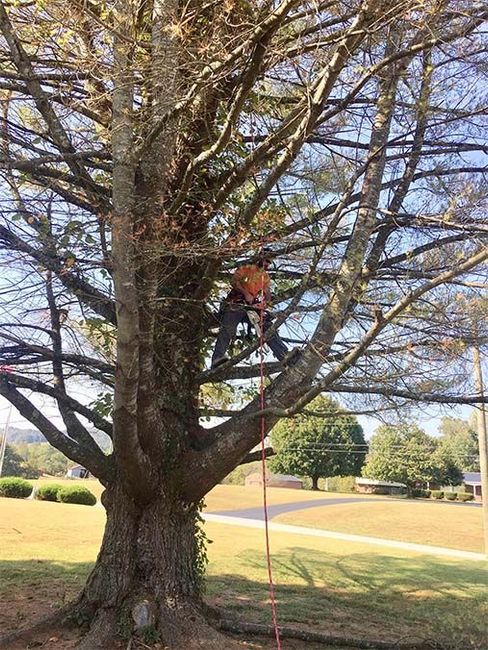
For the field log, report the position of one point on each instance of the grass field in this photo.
(47, 549)
(438, 524)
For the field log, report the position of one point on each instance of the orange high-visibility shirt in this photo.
(252, 278)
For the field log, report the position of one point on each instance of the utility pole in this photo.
(482, 441)
(3, 442)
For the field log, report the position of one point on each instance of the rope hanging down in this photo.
(263, 464)
(262, 400)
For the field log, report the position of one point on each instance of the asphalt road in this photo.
(282, 508)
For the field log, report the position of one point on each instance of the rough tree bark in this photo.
(148, 574)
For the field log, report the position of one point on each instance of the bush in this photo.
(48, 492)
(306, 483)
(450, 496)
(420, 493)
(14, 487)
(76, 494)
(465, 496)
(341, 484)
(437, 494)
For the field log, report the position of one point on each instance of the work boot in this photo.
(218, 362)
(292, 357)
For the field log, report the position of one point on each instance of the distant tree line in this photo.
(30, 460)
(327, 441)
(324, 441)
(29, 455)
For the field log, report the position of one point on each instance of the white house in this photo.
(77, 471)
(374, 486)
(274, 480)
(472, 483)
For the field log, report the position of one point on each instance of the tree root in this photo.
(101, 633)
(203, 632)
(240, 627)
(192, 628)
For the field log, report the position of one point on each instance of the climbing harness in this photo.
(255, 321)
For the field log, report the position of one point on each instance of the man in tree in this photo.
(247, 302)
(145, 142)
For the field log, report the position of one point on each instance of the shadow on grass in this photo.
(359, 595)
(364, 595)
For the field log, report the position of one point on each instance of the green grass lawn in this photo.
(47, 549)
(437, 524)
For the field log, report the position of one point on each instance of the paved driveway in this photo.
(282, 508)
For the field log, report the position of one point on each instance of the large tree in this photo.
(44, 458)
(325, 440)
(407, 454)
(459, 440)
(15, 465)
(149, 146)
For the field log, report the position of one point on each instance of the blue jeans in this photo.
(231, 316)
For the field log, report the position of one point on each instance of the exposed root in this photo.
(102, 632)
(142, 624)
(189, 628)
(240, 627)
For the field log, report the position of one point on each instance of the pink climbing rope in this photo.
(263, 465)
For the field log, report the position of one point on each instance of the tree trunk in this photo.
(147, 580)
(315, 482)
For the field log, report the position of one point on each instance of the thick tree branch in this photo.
(85, 292)
(61, 397)
(413, 395)
(99, 465)
(135, 465)
(257, 455)
(74, 427)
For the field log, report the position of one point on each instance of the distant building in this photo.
(275, 480)
(77, 471)
(375, 486)
(472, 484)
